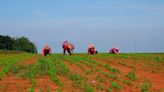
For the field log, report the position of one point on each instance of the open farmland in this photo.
(82, 73)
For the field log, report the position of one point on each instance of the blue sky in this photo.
(106, 23)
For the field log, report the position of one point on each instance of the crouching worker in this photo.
(114, 51)
(69, 47)
(92, 49)
(46, 50)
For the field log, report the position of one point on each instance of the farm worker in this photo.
(92, 49)
(68, 46)
(114, 51)
(46, 50)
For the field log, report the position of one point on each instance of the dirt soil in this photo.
(12, 84)
(33, 60)
(45, 85)
(157, 79)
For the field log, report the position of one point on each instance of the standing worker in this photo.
(92, 49)
(69, 47)
(46, 50)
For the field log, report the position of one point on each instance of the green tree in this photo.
(23, 44)
(6, 42)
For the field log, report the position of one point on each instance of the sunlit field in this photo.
(82, 73)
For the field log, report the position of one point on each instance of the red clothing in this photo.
(46, 50)
(69, 47)
(91, 49)
(114, 51)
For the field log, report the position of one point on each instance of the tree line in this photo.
(19, 44)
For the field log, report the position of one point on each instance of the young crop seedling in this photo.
(9, 63)
(5, 71)
(100, 87)
(157, 59)
(122, 63)
(109, 90)
(115, 70)
(89, 88)
(146, 87)
(78, 84)
(111, 69)
(61, 68)
(108, 67)
(112, 76)
(78, 80)
(116, 85)
(128, 82)
(100, 71)
(90, 64)
(131, 76)
(101, 79)
(32, 75)
(42, 69)
(21, 71)
(75, 77)
(80, 65)
(89, 71)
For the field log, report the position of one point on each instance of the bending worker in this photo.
(114, 51)
(69, 47)
(46, 50)
(92, 49)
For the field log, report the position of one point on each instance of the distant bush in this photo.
(6, 42)
(20, 44)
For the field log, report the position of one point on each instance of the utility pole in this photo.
(135, 47)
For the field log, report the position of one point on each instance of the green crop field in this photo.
(82, 73)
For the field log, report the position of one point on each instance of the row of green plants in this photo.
(54, 66)
(81, 82)
(8, 63)
(78, 81)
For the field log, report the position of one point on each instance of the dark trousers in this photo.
(91, 51)
(46, 52)
(68, 50)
